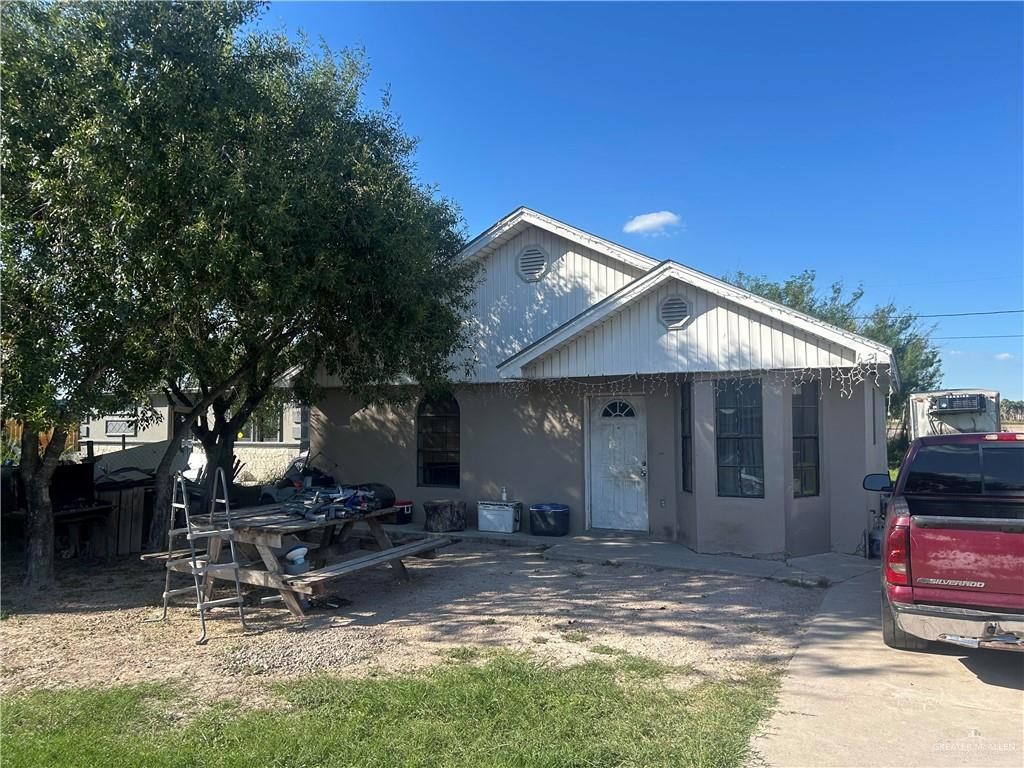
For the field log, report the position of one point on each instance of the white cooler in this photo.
(499, 516)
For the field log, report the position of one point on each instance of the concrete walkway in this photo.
(815, 570)
(848, 700)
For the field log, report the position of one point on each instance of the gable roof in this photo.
(521, 218)
(865, 349)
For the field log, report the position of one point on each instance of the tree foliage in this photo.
(79, 302)
(918, 360)
(1011, 411)
(210, 206)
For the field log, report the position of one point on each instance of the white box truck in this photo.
(952, 411)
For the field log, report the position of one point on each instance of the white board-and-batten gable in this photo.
(554, 301)
(517, 301)
(724, 329)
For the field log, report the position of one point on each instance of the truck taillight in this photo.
(897, 554)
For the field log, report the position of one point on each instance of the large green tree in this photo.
(80, 303)
(270, 221)
(324, 254)
(917, 358)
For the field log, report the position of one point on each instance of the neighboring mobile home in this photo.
(647, 396)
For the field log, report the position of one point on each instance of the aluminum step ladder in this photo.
(215, 530)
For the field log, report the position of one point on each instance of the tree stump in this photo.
(444, 515)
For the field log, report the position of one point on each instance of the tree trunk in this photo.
(164, 483)
(227, 457)
(37, 473)
(211, 447)
(163, 490)
(219, 445)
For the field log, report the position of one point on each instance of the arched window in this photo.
(618, 409)
(437, 442)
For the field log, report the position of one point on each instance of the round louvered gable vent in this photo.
(674, 311)
(533, 263)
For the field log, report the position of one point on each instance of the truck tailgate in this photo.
(968, 561)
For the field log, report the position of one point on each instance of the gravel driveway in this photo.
(474, 593)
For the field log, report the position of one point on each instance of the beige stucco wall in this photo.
(154, 432)
(532, 444)
(807, 518)
(531, 440)
(99, 450)
(739, 525)
(663, 457)
(856, 449)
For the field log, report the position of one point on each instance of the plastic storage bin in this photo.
(499, 516)
(549, 519)
(403, 512)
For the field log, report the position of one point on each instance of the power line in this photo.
(1003, 336)
(956, 314)
(943, 282)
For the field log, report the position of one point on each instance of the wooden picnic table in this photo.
(260, 533)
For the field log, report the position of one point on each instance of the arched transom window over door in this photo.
(618, 409)
(437, 442)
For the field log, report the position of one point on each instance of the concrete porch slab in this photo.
(663, 554)
(595, 547)
(813, 570)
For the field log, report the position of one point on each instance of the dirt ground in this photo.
(92, 630)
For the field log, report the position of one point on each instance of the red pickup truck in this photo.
(953, 547)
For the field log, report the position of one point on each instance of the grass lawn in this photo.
(473, 710)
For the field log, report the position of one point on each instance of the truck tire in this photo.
(895, 637)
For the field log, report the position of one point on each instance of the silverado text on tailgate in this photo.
(953, 553)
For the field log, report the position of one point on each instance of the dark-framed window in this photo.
(806, 462)
(437, 442)
(686, 430)
(739, 439)
(262, 427)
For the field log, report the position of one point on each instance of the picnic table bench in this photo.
(260, 533)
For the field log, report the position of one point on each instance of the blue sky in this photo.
(875, 143)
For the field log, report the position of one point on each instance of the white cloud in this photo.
(1005, 356)
(652, 223)
(955, 352)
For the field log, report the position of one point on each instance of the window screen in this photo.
(264, 426)
(437, 442)
(686, 395)
(806, 464)
(738, 431)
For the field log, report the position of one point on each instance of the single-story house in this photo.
(649, 397)
(264, 445)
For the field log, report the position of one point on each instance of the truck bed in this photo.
(968, 561)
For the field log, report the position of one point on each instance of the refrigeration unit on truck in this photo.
(952, 412)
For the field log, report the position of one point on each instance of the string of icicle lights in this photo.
(845, 379)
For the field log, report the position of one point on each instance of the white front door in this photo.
(618, 463)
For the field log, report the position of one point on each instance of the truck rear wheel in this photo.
(895, 637)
